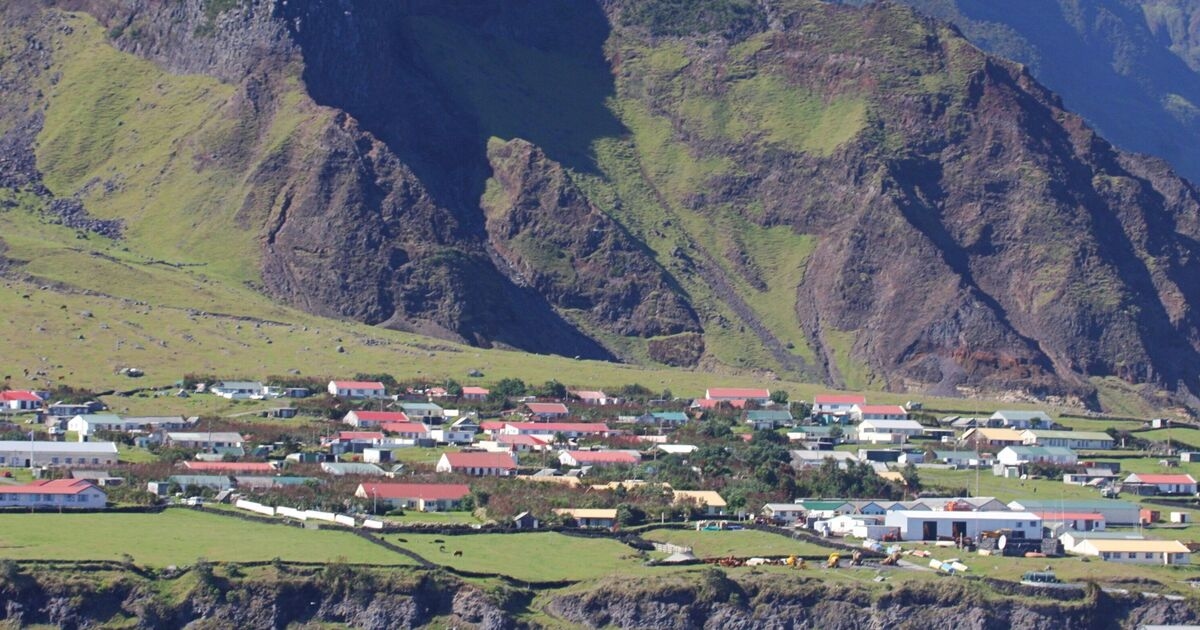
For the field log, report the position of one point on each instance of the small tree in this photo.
(779, 397)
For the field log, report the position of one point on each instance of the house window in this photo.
(1132, 555)
(53, 460)
(68, 460)
(95, 460)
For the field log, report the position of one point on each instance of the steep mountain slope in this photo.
(857, 196)
(1130, 67)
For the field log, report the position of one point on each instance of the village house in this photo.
(85, 426)
(341, 469)
(204, 439)
(1021, 420)
(884, 431)
(590, 518)
(1164, 484)
(237, 390)
(709, 502)
(424, 412)
(1076, 440)
(24, 454)
(452, 435)
(406, 430)
(546, 411)
(62, 411)
(568, 430)
(836, 404)
(357, 389)
(823, 509)
(521, 443)
(783, 513)
(594, 397)
(1078, 521)
(705, 403)
(364, 419)
(1161, 552)
(21, 400)
(960, 459)
(676, 449)
(748, 394)
(1120, 513)
(863, 413)
(1019, 455)
(64, 494)
(423, 497)
(816, 459)
(664, 418)
(931, 525)
(352, 441)
(599, 458)
(477, 394)
(991, 438)
(230, 467)
(478, 464)
(768, 419)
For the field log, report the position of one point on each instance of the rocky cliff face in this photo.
(851, 195)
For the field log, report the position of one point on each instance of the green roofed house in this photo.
(1114, 512)
(958, 458)
(768, 419)
(826, 508)
(1078, 440)
(669, 417)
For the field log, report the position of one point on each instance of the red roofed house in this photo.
(406, 430)
(241, 467)
(599, 458)
(705, 403)
(372, 419)
(836, 404)
(21, 400)
(547, 411)
(569, 430)
(593, 397)
(475, 393)
(1165, 484)
(522, 443)
(478, 464)
(878, 412)
(71, 494)
(492, 427)
(760, 396)
(368, 437)
(425, 497)
(1078, 521)
(357, 389)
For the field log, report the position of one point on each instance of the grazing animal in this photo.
(403, 540)
(458, 554)
(442, 549)
(438, 541)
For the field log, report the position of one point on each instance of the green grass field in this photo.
(543, 556)
(738, 543)
(178, 537)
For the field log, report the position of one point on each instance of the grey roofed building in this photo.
(815, 459)
(262, 481)
(351, 468)
(216, 482)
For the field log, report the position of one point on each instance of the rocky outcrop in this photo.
(553, 239)
(715, 601)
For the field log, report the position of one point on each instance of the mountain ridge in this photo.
(856, 196)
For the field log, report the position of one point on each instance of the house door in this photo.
(929, 530)
(958, 529)
(28, 463)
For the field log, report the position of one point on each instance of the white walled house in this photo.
(836, 404)
(357, 389)
(365, 419)
(887, 431)
(1165, 484)
(21, 400)
(1017, 455)
(862, 413)
(1162, 552)
(478, 464)
(786, 513)
(23, 454)
(1077, 440)
(67, 494)
(204, 439)
(238, 390)
(929, 525)
(1021, 419)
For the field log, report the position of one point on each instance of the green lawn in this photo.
(177, 537)
(1005, 489)
(543, 556)
(740, 543)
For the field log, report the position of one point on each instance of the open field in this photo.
(738, 543)
(177, 536)
(543, 556)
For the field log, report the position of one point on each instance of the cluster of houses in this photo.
(1079, 526)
